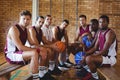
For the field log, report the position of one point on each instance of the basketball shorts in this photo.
(15, 57)
(109, 60)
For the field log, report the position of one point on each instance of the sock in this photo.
(87, 68)
(45, 70)
(60, 61)
(41, 71)
(67, 56)
(51, 65)
(35, 76)
(95, 75)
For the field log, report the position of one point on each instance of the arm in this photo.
(77, 35)
(55, 31)
(13, 34)
(93, 49)
(66, 38)
(32, 34)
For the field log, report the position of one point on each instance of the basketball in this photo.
(88, 43)
(60, 45)
(79, 57)
(84, 38)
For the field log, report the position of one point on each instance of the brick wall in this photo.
(60, 9)
(9, 15)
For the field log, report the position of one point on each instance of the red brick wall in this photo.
(9, 13)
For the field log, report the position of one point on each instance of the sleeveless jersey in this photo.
(10, 46)
(101, 42)
(60, 33)
(82, 31)
(38, 34)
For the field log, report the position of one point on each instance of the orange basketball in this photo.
(61, 46)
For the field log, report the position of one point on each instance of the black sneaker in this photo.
(47, 76)
(56, 71)
(63, 67)
(68, 63)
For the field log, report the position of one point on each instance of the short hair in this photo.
(94, 21)
(48, 15)
(65, 20)
(25, 12)
(39, 17)
(84, 16)
(105, 17)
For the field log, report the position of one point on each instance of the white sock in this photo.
(60, 61)
(35, 76)
(67, 56)
(87, 68)
(41, 71)
(51, 65)
(45, 70)
(95, 75)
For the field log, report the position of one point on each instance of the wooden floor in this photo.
(23, 73)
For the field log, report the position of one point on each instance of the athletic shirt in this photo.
(38, 34)
(101, 42)
(82, 31)
(60, 33)
(47, 32)
(10, 46)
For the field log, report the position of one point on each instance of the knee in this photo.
(89, 59)
(34, 53)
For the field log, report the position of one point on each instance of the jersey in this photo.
(82, 31)
(60, 33)
(101, 42)
(38, 34)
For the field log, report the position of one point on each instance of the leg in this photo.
(33, 57)
(93, 63)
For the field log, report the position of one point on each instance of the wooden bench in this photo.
(6, 69)
(110, 73)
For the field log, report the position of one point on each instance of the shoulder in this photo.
(111, 33)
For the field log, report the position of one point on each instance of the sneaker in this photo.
(56, 71)
(47, 76)
(68, 63)
(63, 67)
(81, 72)
(78, 67)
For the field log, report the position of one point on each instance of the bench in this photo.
(6, 69)
(110, 73)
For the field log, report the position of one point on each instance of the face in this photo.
(39, 22)
(94, 26)
(48, 20)
(82, 21)
(64, 25)
(25, 20)
(103, 24)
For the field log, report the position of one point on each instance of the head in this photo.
(39, 21)
(64, 24)
(48, 20)
(94, 24)
(103, 22)
(25, 18)
(82, 19)
(59, 46)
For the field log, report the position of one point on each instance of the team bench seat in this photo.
(110, 73)
(6, 68)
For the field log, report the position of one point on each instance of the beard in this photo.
(104, 28)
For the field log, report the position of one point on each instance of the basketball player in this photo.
(17, 53)
(106, 46)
